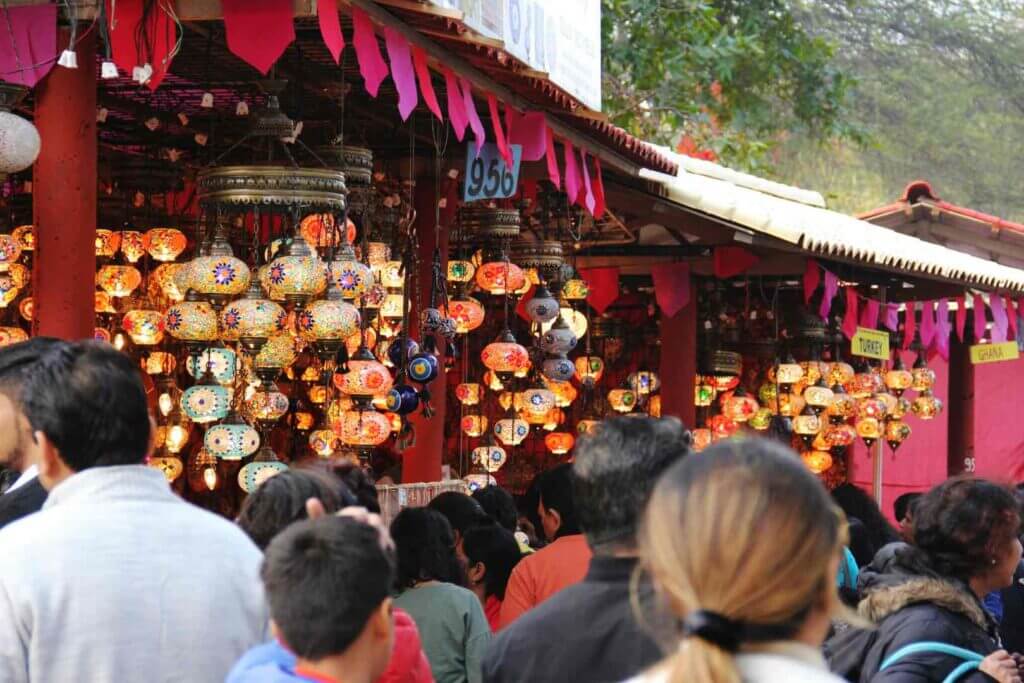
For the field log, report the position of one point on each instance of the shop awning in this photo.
(799, 217)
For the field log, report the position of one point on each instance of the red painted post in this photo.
(423, 461)
(64, 198)
(679, 363)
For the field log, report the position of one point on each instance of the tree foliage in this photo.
(731, 76)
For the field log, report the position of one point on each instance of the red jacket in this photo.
(408, 663)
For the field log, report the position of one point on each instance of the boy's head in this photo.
(328, 583)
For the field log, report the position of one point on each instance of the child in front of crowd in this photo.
(328, 582)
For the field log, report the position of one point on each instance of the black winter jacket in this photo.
(910, 606)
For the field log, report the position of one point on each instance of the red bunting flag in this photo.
(474, 118)
(604, 286)
(527, 130)
(402, 72)
(732, 261)
(831, 289)
(909, 325)
(456, 105)
(961, 317)
(979, 318)
(371, 62)
(850, 319)
(927, 324)
(892, 317)
(812, 277)
(499, 134)
(600, 207)
(554, 175)
(330, 27)
(572, 173)
(943, 330)
(136, 42)
(1000, 324)
(1011, 315)
(671, 286)
(419, 60)
(869, 315)
(589, 202)
(29, 48)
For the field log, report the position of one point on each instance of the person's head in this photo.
(855, 502)
(499, 505)
(426, 548)
(17, 362)
(555, 507)
(903, 509)
(492, 553)
(461, 511)
(328, 582)
(87, 408)
(968, 529)
(281, 500)
(360, 484)
(615, 471)
(744, 543)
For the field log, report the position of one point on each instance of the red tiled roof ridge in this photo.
(922, 189)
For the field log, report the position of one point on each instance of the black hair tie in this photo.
(713, 628)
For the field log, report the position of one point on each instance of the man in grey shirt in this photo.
(116, 579)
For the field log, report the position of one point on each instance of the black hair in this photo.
(426, 548)
(854, 502)
(904, 504)
(461, 511)
(556, 494)
(281, 501)
(498, 550)
(89, 400)
(615, 471)
(961, 525)
(499, 505)
(18, 360)
(324, 578)
(360, 484)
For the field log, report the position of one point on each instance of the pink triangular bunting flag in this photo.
(330, 27)
(401, 71)
(671, 286)
(456, 105)
(371, 62)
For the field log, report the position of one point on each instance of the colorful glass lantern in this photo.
(100, 334)
(219, 275)
(221, 363)
(543, 306)
(328, 320)
(644, 382)
(499, 277)
(165, 244)
(589, 370)
(258, 471)
(460, 271)
(146, 328)
(740, 406)
(119, 281)
(206, 402)
(565, 393)
(165, 278)
(587, 426)
(231, 440)
(297, 273)
(790, 404)
(102, 302)
(557, 368)
(367, 377)
(818, 396)
(839, 373)
(817, 461)
(474, 425)
(806, 425)
(160, 363)
(576, 321)
(170, 466)
(392, 275)
(896, 432)
(492, 381)
(923, 376)
(365, 428)
(891, 403)
(268, 405)
(701, 439)
(133, 245)
(560, 339)
(722, 427)
(538, 401)
(789, 372)
(814, 370)
(25, 236)
(10, 251)
(317, 394)
(559, 443)
(251, 320)
(490, 457)
(12, 335)
(622, 400)
(468, 393)
(107, 242)
(703, 392)
(377, 253)
(324, 442)
(871, 407)
(865, 383)
(511, 430)
(900, 410)
(476, 481)
(575, 290)
(320, 230)
(504, 356)
(352, 277)
(467, 313)
(277, 353)
(191, 320)
(21, 275)
(843, 406)
(926, 406)
(869, 429)
(176, 435)
(898, 379)
(8, 290)
(839, 436)
(392, 307)
(761, 420)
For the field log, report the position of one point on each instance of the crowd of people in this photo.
(637, 562)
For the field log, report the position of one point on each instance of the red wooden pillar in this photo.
(679, 363)
(64, 198)
(422, 462)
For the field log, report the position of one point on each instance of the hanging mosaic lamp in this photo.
(170, 466)
(923, 376)
(557, 368)
(817, 461)
(896, 432)
(10, 251)
(297, 273)
(818, 396)
(119, 280)
(468, 393)
(220, 362)
(207, 401)
(232, 439)
(722, 427)
(511, 430)
(252, 319)
(366, 377)
(589, 370)
(133, 245)
(474, 426)
(839, 373)
(504, 356)
(761, 420)
(165, 244)
(871, 407)
(740, 406)
(145, 327)
(645, 383)
(500, 277)
(704, 393)
(324, 442)
(107, 242)
(866, 382)
(622, 400)
(869, 429)
(268, 405)
(21, 275)
(165, 278)
(543, 306)
(806, 425)
(218, 275)
(491, 457)
(277, 354)
(9, 290)
(575, 289)
(701, 439)
(25, 236)
(460, 271)
(565, 393)
(559, 443)
(843, 406)
(321, 231)
(789, 372)
(467, 312)
(192, 320)
(365, 428)
(264, 466)
(327, 323)
(538, 401)
(352, 277)
(898, 379)
(839, 436)
(926, 406)
(560, 339)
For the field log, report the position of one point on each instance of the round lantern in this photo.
(622, 400)
(365, 428)
(538, 401)
(107, 242)
(19, 139)
(352, 277)
(8, 290)
(160, 363)
(21, 275)
(328, 320)
(204, 403)
(704, 393)
(761, 420)
(869, 429)
(467, 313)
(474, 425)
(806, 425)
(491, 458)
(133, 245)
(170, 466)
(898, 379)
(392, 275)
(12, 335)
(575, 290)
(843, 406)
(818, 396)
(222, 363)
(790, 405)
(164, 278)
(258, 471)
(740, 406)
(589, 370)
(278, 352)
(871, 407)
(251, 320)
(165, 244)
(460, 271)
(146, 328)
(268, 405)
(923, 376)
(789, 372)
(839, 435)
(25, 236)
(644, 382)
(10, 251)
(324, 442)
(560, 339)
(231, 441)
(511, 430)
(565, 393)
(504, 356)
(839, 373)
(119, 281)
(492, 381)
(814, 370)
(468, 393)
(896, 432)
(377, 253)
(191, 320)
(475, 482)
(219, 276)
(320, 230)
(499, 277)
(366, 377)
(297, 273)
(926, 406)
(557, 368)
(722, 427)
(865, 383)
(576, 321)
(543, 307)
(900, 410)
(559, 443)
(817, 461)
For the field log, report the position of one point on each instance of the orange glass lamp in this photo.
(790, 404)
(789, 372)
(10, 251)
(817, 461)
(467, 313)
(25, 236)
(926, 406)
(622, 400)
(365, 428)
(8, 290)
(806, 425)
(872, 407)
(107, 242)
(896, 432)
(867, 382)
(469, 393)
(559, 443)
(119, 280)
(537, 401)
(761, 420)
(722, 427)
(367, 377)
(145, 327)
(324, 442)
(839, 436)
(252, 319)
(703, 392)
(589, 370)
(504, 356)
(297, 273)
(133, 245)
(869, 429)
(740, 406)
(839, 373)
(474, 425)
(352, 277)
(843, 406)
(499, 277)
(923, 376)
(165, 244)
(460, 271)
(327, 323)
(219, 274)
(818, 396)
(701, 439)
(192, 321)
(565, 393)
(898, 379)
(490, 456)
(575, 289)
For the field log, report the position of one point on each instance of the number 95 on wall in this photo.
(487, 174)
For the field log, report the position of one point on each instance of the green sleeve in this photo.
(478, 637)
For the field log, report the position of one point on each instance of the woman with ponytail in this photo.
(744, 544)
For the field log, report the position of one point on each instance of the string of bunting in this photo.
(935, 327)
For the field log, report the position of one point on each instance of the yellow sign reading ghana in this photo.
(870, 344)
(994, 353)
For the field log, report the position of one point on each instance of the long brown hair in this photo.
(744, 532)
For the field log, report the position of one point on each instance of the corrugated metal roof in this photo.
(799, 217)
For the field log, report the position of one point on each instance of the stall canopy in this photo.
(798, 217)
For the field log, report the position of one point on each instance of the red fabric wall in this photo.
(998, 435)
